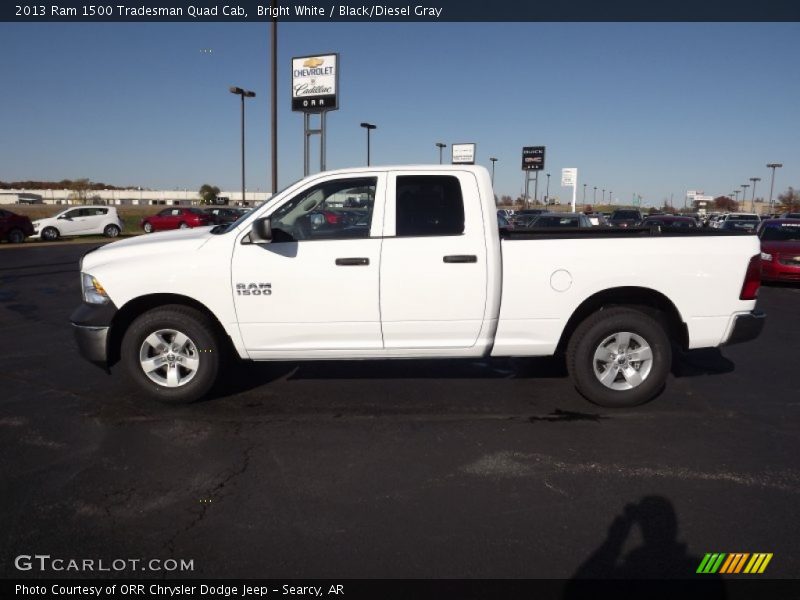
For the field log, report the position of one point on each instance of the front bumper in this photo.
(91, 325)
(746, 327)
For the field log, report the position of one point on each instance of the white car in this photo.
(84, 220)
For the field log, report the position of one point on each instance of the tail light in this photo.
(752, 279)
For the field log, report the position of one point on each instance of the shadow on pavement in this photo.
(660, 556)
(703, 361)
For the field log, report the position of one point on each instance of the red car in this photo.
(176, 218)
(780, 249)
(14, 228)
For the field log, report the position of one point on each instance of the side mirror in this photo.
(261, 232)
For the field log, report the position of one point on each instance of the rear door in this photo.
(434, 261)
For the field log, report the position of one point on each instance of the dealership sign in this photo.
(315, 82)
(533, 158)
(569, 177)
(463, 154)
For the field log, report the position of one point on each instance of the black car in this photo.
(625, 218)
(221, 215)
(522, 218)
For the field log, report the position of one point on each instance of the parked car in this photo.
(14, 228)
(597, 219)
(86, 220)
(521, 218)
(176, 218)
(790, 215)
(739, 222)
(625, 218)
(780, 249)
(503, 222)
(560, 220)
(669, 221)
(222, 215)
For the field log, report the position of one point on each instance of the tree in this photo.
(80, 189)
(790, 200)
(208, 193)
(506, 200)
(724, 203)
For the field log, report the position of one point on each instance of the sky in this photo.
(650, 109)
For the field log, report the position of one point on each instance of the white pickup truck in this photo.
(408, 262)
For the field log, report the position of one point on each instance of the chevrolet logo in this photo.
(312, 63)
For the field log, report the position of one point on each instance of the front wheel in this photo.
(148, 227)
(172, 354)
(50, 234)
(619, 357)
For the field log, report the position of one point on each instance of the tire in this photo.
(148, 227)
(184, 371)
(111, 231)
(183, 226)
(50, 234)
(606, 377)
(15, 236)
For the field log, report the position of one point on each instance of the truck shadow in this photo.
(700, 362)
(243, 376)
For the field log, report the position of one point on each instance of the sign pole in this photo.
(574, 187)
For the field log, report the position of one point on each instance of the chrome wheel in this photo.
(622, 361)
(111, 231)
(183, 226)
(169, 358)
(50, 234)
(148, 228)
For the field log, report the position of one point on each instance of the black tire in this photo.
(201, 333)
(111, 231)
(148, 227)
(50, 234)
(16, 236)
(589, 338)
(183, 226)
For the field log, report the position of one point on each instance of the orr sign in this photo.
(315, 83)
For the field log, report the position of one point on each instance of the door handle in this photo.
(352, 262)
(461, 258)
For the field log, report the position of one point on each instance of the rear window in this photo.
(785, 232)
(743, 218)
(429, 205)
(557, 222)
(626, 214)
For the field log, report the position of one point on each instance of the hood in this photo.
(162, 244)
(791, 247)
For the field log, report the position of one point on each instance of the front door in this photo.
(315, 286)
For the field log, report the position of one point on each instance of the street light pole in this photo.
(584, 195)
(744, 187)
(243, 94)
(547, 191)
(603, 197)
(494, 160)
(753, 199)
(440, 146)
(772, 166)
(594, 197)
(369, 127)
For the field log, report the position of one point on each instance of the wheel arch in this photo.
(650, 301)
(132, 309)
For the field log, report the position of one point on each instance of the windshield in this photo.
(786, 232)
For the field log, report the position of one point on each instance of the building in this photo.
(132, 197)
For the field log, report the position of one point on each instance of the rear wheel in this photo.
(172, 354)
(111, 231)
(50, 234)
(619, 357)
(15, 236)
(183, 226)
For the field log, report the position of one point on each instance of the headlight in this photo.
(93, 292)
(765, 256)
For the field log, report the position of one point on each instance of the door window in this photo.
(338, 209)
(429, 205)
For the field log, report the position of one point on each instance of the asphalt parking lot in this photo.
(405, 469)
